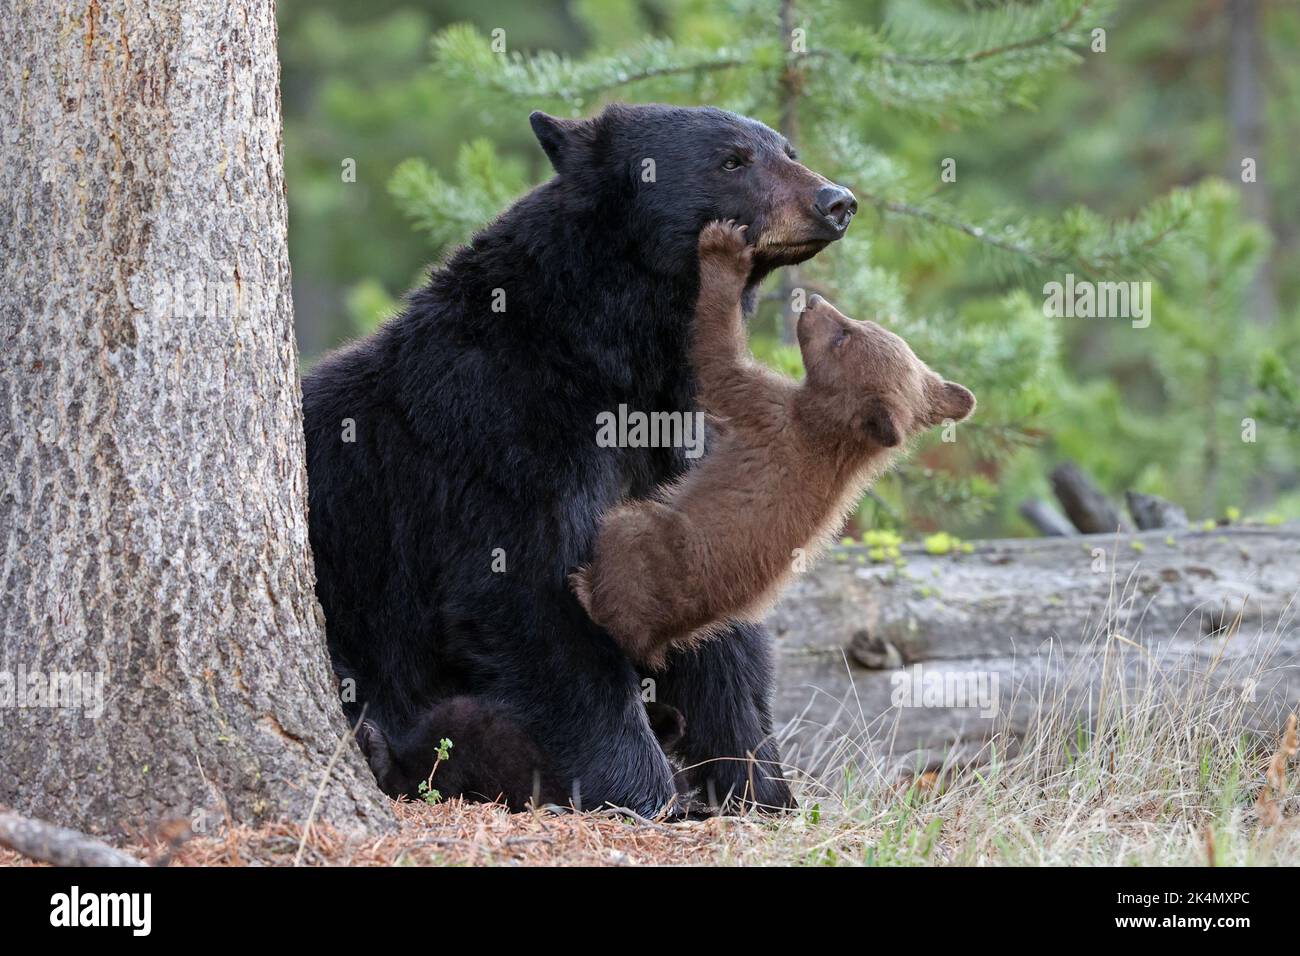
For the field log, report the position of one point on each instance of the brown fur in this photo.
(790, 461)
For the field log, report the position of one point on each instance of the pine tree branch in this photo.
(1038, 257)
(1043, 39)
(462, 54)
(657, 73)
(951, 222)
(975, 68)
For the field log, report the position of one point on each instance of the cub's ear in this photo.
(948, 400)
(880, 426)
(558, 136)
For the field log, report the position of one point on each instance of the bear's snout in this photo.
(836, 205)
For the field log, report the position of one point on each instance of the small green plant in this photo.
(882, 544)
(941, 542)
(427, 792)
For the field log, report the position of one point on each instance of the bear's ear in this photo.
(948, 400)
(880, 426)
(557, 136)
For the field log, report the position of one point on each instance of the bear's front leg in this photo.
(723, 687)
(579, 697)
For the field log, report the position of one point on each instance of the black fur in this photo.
(491, 757)
(668, 724)
(475, 430)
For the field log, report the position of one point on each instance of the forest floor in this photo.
(1228, 807)
(1167, 772)
(912, 832)
(456, 833)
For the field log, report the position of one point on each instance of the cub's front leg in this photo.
(718, 343)
(729, 382)
(726, 260)
(642, 585)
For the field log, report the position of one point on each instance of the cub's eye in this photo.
(841, 337)
(732, 164)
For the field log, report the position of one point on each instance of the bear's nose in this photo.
(836, 204)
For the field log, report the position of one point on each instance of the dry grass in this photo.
(1166, 766)
(1130, 755)
(1200, 800)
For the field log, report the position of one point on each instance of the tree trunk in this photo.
(1247, 102)
(153, 509)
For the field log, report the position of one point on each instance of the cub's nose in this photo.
(836, 204)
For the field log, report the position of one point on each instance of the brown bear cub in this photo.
(789, 460)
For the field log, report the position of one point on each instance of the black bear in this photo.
(455, 479)
(492, 758)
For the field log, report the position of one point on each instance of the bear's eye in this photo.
(841, 337)
(732, 163)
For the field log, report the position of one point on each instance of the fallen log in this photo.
(48, 843)
(1085, 504)
(1150, 512)
(1046, 519)
(1027, 611)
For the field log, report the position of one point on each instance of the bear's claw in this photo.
(725, 242)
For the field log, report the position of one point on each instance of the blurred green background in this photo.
(1114, 156)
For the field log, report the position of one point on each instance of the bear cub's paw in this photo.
(723, 245)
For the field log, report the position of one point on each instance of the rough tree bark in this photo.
(153, 502)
